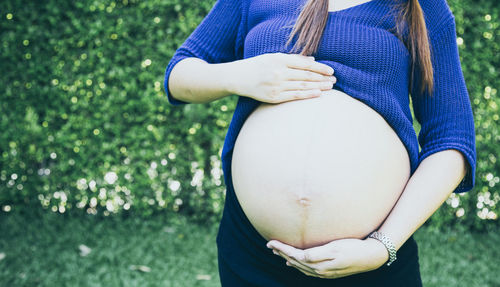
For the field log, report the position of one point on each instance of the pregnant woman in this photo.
(325, 180)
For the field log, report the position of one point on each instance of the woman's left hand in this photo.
(335, 259)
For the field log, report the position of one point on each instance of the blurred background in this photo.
(103, 183)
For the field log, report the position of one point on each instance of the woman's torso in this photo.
(310, 171)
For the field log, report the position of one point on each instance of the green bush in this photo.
(86, 124)
(479, 46)
(84, 116)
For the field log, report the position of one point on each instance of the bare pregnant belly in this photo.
(311, 171)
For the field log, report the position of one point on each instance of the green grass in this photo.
(44, 251)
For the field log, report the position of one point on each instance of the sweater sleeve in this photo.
(217, 39)
(446, 117)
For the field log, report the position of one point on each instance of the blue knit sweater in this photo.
(371, 64)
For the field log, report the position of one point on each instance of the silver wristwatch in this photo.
(387, 243)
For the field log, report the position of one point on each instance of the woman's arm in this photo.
(210, 65)
(432, 183)
(193, 80)
(429, 186)
(447, 161)
(270, 78)
(199, 66)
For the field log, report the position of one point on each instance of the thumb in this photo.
(319, 253)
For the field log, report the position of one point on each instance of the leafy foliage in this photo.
(86, 123)
(85, 119)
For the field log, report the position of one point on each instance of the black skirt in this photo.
(244, 260)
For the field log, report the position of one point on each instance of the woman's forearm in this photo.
(193, 80)
(432, 183)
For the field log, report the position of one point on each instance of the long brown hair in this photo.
(312, 20)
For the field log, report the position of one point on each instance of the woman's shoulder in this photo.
(435, 12)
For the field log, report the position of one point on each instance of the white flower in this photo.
(110, 177)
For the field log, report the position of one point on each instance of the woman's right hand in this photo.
(279, 77)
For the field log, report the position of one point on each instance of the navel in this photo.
(304, 201)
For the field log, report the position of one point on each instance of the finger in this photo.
(286, 56)
(341, 274)
(322, 267)
(296, 55)
(298, 265)
(327, 274)
(303, 75)
(323, 270)
(304, 64)
(293, 262)
(288, 250)
(304, 85)
(292, 95)
(316, 254)
(338, 274)
(332, 265)
(308, 273)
